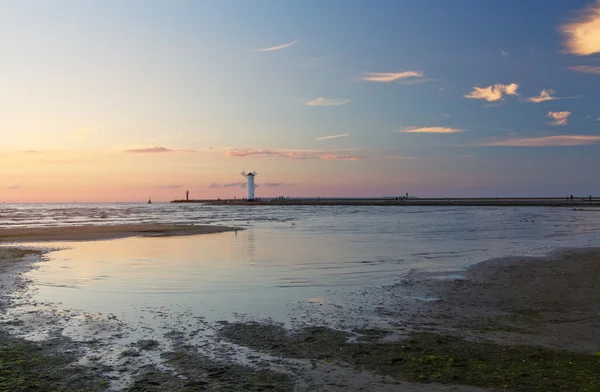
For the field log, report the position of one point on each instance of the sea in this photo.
(286, 264)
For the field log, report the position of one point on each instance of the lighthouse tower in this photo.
(250, 185)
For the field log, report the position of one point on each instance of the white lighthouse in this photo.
(250, 185)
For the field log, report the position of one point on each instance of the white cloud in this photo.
(494, 92)
(590, 69)
(558, 118)
(582, 34)
(327, 102)
(546, 141)
(429, 130)
(333, 136)
(387, 77)
(278, 47)
(504, 53)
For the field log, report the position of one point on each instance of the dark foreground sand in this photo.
(517, 324)
(90, 233)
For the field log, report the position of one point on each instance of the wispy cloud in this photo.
(243, 184)
(494, 92)
(293, 154)
(274, 48)
(387, 77)
(14, 186)
(228, 185)
(429, 130)
(503, 53)
(558, 118)
(273, 184)
(545, 141)
(170, 186)
(545, 95)
(590, 69)
(327, 102)
(333, 136)
(86, 131)
(582, 34)
(154, 150)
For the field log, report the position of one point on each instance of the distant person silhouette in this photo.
(571, 198)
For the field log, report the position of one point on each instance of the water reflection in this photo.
(263, 269)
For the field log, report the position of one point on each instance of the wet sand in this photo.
(520, 324)
(91, 233)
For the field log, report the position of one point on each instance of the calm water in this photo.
(285, 257)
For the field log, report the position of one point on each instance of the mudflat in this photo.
(516, 324)
(90, 233)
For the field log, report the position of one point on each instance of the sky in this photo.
(122, 101)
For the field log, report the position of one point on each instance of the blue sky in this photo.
(187, 89)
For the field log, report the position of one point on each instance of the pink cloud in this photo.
(264, 153)
(558, 118)
(590, 69)
(154, 150)
(546, 141)
(429, 130)
(387, 77)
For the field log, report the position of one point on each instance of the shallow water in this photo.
(285, 257)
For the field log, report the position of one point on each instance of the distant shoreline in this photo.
(104, 232)
(466, 202)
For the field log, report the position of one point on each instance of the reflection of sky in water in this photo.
(272, 265)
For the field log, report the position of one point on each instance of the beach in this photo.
(525, 323)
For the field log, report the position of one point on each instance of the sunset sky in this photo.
(125, 100)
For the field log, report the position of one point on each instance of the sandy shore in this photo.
(90, 233)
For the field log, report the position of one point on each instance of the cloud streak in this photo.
(170, 186)
(582, 34)
(494, 92)
(14, 186)
(154, 150)
(327, 102)
(589, 69)
(274, 48)
(429, 130)
(215, 185)
(333, 136)
(545, 141)
(298, 154)
(387, 77)
(545, 95)
(558, 118)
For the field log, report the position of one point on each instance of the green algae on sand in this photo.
(428, 357)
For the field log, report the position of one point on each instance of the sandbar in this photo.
(91, 233)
